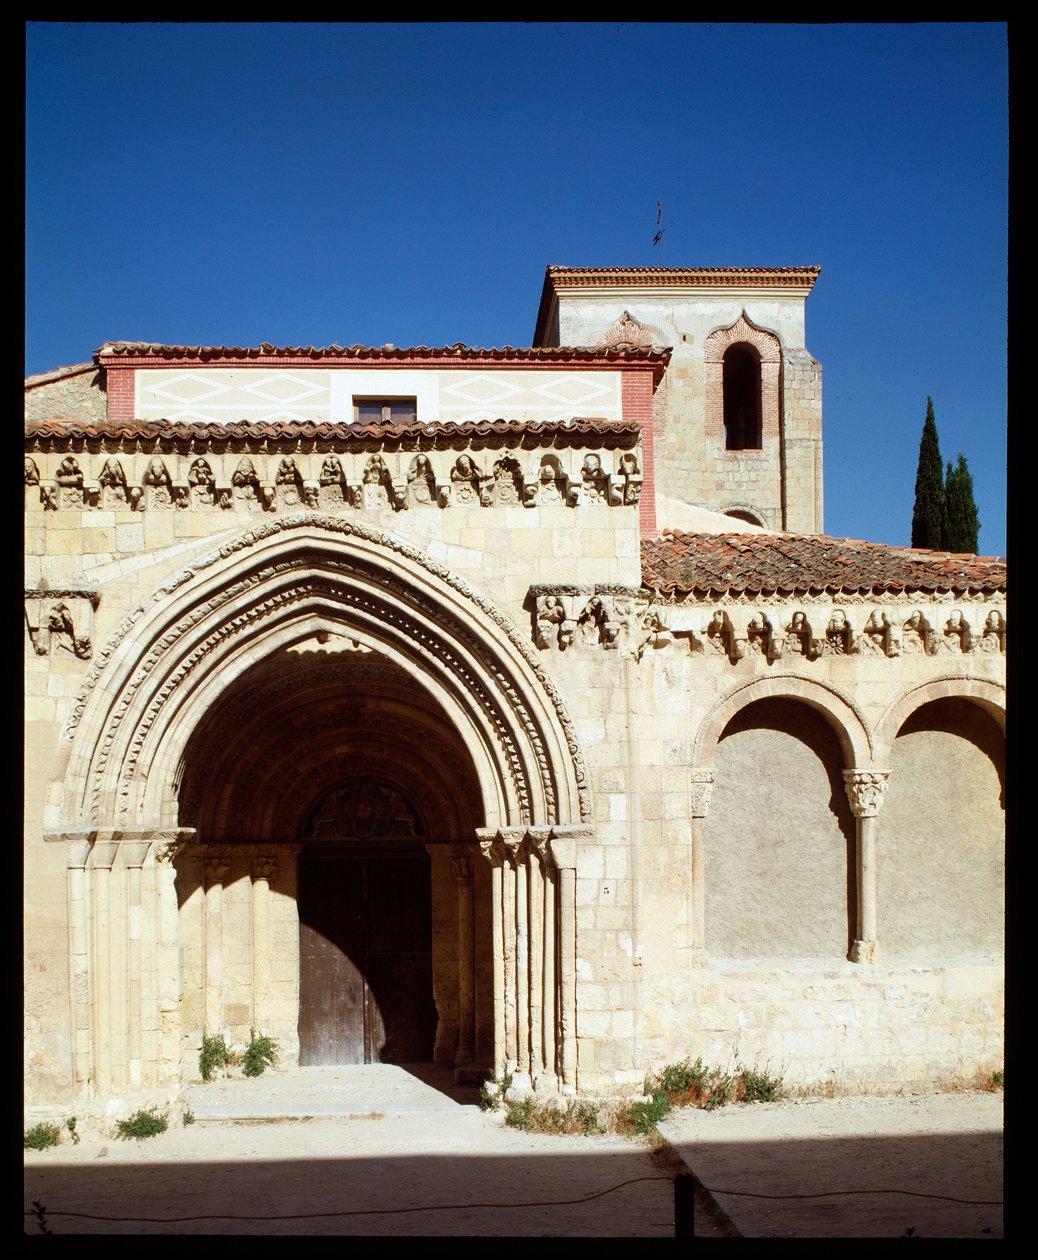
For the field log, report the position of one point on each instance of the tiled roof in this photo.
(57, 433)
(447, 354)
(58, 374)
(678, 564)
(708, 276)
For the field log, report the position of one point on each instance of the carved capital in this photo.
(700, 784)
(865, 790)
(264, 866)
(165, 845)
(216, 869)
(461, 865)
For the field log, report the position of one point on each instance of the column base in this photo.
(699, 957)
(864, 952)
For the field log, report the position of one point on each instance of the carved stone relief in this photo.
(60, 622)
(421, 483)
(466, 480)
(593, 487)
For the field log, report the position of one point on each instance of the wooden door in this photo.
(365, 981)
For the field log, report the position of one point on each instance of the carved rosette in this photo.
(865, 789)
(701, 783)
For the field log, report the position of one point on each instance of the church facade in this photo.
(506, 708)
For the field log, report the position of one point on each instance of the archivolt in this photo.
(839, 710)
(991, 696)
(272, 586)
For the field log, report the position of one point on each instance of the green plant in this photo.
(492, 1093)
(143, 1124)
(928, 509)
(188, 1117)
(641, 1117)
(719, 1091)
(998, 1080)
(519, 1114)
(753, 1085)
(260, 1053)
(215, 1054)
(70, 1124)
(40, 1136)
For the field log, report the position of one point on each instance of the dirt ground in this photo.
(304, 1155)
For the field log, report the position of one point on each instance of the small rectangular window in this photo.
(384, 410)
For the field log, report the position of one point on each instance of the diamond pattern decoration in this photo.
(283, 387)
(574, 389)
(480, 389)
(184, 387)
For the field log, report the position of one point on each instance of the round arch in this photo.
(279, 585)
(839, 711)
(990, 696)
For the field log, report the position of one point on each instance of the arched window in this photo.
(741, 386)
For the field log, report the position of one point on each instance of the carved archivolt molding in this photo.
(430, 629)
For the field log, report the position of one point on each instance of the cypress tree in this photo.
(928, 512)
(961, 522)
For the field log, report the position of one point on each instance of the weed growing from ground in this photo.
(70, 1124)
(676, 1085)
(260, 1053)
(143, 1124)
(188, 1117)
(40, 1136)
(998, 1080)
(215, 1054)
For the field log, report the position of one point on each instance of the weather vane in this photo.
(659, 235)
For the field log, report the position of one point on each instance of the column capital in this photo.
(166, 844)
(216, 867)
(461, 865)
(865, 789)
(263, 865)
(700, 783)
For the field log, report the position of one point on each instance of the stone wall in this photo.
(69, 393)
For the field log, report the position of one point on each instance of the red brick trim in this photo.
(769, 349)
(636, 405)
(121, 397)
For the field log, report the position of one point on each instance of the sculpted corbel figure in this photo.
(758, 636)
(112, 480)
(32, 473)
(158, 484)
(593, 481)
(421, 483)
(874, 639)
(550, 615)
(201, 483)
(956, 636)
(994, 637)
(915, 634)
(245, 481)
(718, 636)
(508, 481)
(70, 484)
(376, 490)
(466, 479)
(549, 489)
(837, 641)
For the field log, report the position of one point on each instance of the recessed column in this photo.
(263, 868)
(701, 784)
(216, 867)
(461, 870)
(865, 791)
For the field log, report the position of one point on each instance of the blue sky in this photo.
(310, 184)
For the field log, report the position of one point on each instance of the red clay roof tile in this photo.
(678, 564)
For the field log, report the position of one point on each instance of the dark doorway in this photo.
(365, 954)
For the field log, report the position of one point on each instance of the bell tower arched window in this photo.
(741, 387)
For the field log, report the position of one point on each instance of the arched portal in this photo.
(340, 768)
(246, 700)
